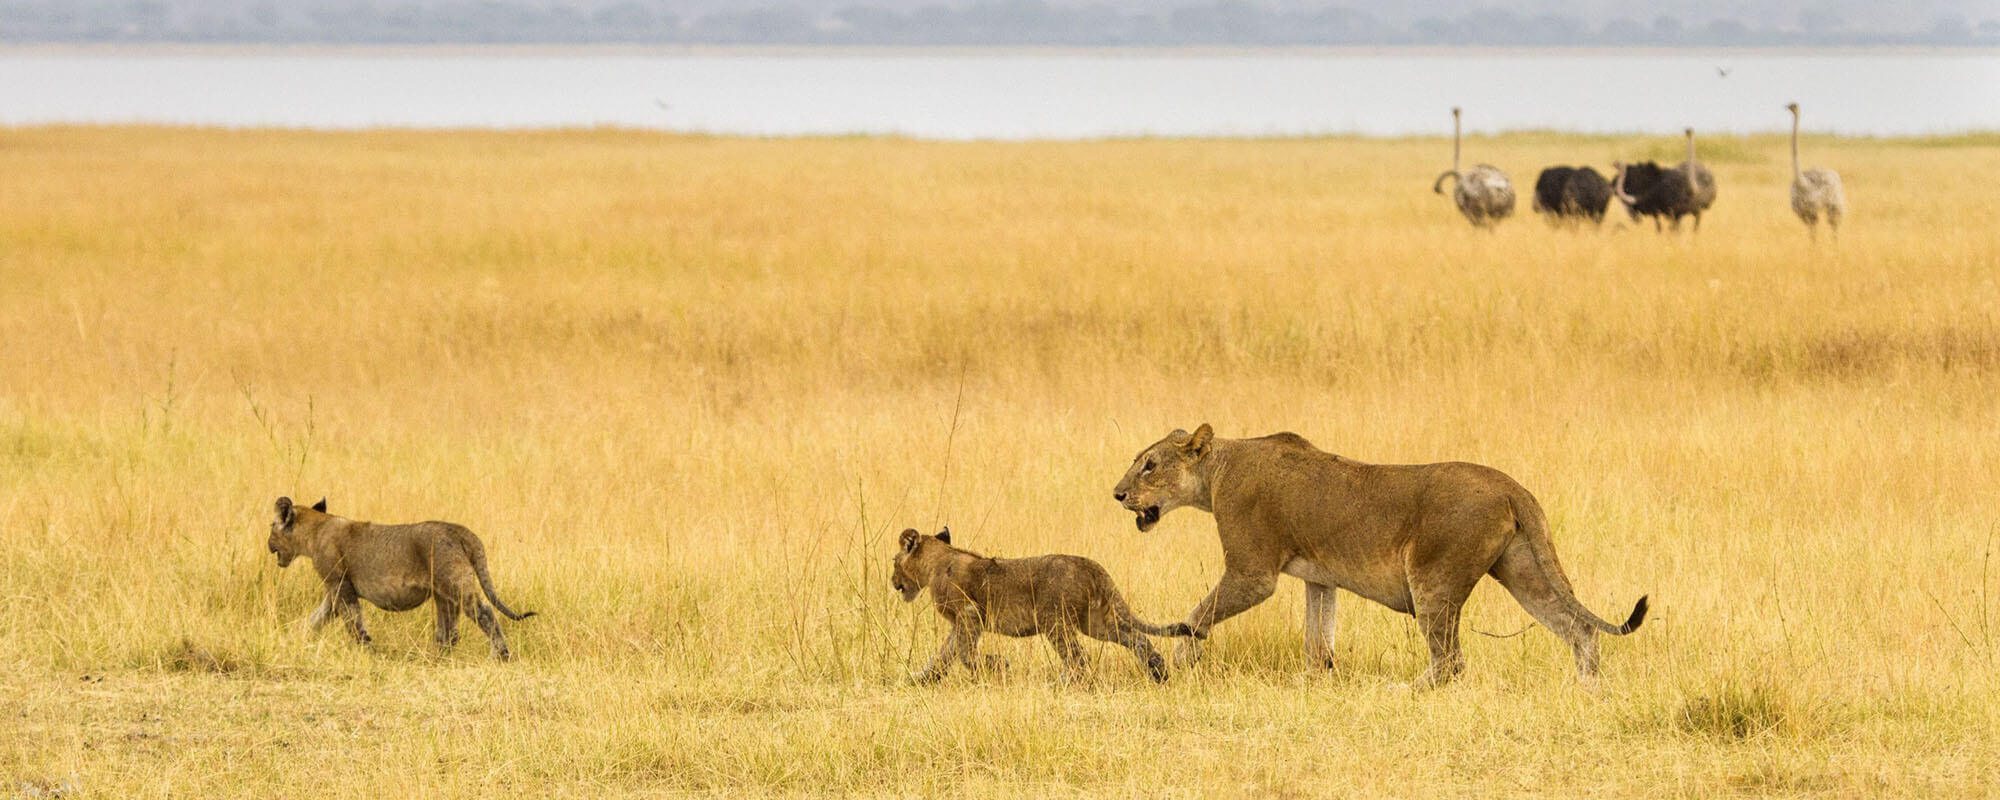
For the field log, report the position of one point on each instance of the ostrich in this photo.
(1647, 189)
(1483, 193)
(1815, 192)
(1700, 178)
(1572, 192)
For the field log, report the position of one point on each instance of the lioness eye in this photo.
(1147, 468)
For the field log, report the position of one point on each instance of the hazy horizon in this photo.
(1544, 23)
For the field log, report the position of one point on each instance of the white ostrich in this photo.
(1816, 192)
(1483, 193)
(1699, 179)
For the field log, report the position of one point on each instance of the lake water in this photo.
(1010, 95)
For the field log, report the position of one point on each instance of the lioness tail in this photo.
(1534, 527)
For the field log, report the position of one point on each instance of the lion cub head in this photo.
(911, 571)
(285, 536)
(1162, 477)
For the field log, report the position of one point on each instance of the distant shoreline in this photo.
(620, 50)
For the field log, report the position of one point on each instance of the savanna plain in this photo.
(689, 389)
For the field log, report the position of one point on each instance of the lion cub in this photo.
(1055, 596)
(395, 567)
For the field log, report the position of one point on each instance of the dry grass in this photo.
(688, 388)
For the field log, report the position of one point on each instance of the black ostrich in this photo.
(1572, 193)
(1647, 189)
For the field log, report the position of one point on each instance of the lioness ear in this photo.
(321, 505)
(911, 538)
(945, 535)
(284, 509)
(1197, 445)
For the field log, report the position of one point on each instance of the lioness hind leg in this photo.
(1522, 574)
(1437, 609)
(1439, 621)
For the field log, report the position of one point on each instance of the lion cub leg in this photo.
(1142, 647)
(961, 644)
(447, 621)
(481, 614)
(1076, 663)
(348, 605)
(459, 588)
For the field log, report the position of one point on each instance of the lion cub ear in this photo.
(284, 509)
(1197, 445)
(320, 506)
(945, 535)
(911, 538)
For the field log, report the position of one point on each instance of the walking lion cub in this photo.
(395, 567)
(1055, 596)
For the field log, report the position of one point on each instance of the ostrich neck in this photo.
(1795, 145)
(1690, 148)
(1454, 144)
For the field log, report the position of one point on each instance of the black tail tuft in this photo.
(1638, 616)
(1183, 629)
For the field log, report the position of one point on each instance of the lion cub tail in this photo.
(476, 551)
(1176, 629)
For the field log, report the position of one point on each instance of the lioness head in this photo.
(1162, 477)
(904, 575)
(284, 530)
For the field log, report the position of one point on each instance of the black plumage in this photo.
(1648, 189)
(1572, 192)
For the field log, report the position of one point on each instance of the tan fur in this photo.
(1415, 538)
(1053, 596)
(395, 567)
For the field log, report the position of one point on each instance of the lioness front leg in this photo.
(1237, 592)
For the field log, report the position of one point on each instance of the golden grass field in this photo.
(688, 389)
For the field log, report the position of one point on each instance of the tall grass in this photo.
(688, 388)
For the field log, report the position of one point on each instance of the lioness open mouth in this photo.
(1145, 517)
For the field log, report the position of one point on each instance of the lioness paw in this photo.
(1187, 653)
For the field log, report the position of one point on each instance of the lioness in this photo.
(1055, 596)
(1414, 538)
(396, 567)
